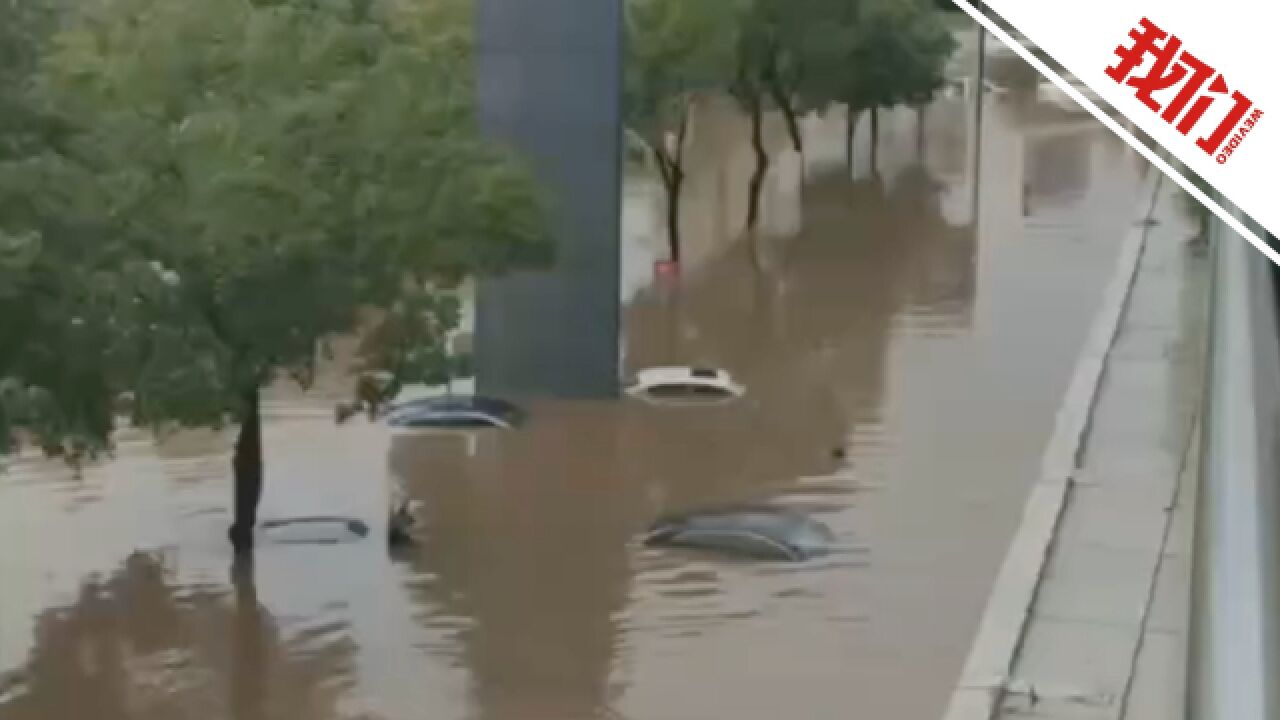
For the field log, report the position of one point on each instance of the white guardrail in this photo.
(1233, 671)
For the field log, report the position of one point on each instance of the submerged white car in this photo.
(685, 384)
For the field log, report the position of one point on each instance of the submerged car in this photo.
(760, 532)
(312, 530)
(468, 412)
(685, 384)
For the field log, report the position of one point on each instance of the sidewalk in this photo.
(1096, 627)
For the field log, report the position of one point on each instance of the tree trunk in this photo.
(793, 128)
(246, 465)
(920, 133)
(671, 167)
(762, 166)
(875, 138)
(789, 115)
(673, 181)
(249, 634)
(850, 124)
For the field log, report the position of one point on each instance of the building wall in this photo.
(549, 81)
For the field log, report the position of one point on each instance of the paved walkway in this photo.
(1089, 617)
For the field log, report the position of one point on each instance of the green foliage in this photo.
(411, 340)
(882, 53)
(782, 42)
(675, 51)
(232, 183)
(791, 55)
(925, 45)
(53, 283)
(57, 342)
(822, 49)
(23, 25)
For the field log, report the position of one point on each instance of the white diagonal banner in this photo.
(1197, 78)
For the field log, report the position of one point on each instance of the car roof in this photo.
(435, 409)
(682, 374)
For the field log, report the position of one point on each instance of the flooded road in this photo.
(930, 349)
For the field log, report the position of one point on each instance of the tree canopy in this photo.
(676, 50)
(783, 43)
(49, 272)
(229, 184)
(881, 53)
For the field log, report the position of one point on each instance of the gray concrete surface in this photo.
(1105, 635)
(548, 81)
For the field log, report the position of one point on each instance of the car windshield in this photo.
(686, 390)
(497, 408)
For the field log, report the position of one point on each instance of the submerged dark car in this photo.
(312, 530)
(767, 533)
(456, 411)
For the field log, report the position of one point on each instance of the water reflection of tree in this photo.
(135, 647)
(528, 541)
(1059, 165)
(942, 275)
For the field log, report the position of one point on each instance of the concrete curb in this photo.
(985, 676)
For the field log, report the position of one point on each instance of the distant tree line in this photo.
(788, 56)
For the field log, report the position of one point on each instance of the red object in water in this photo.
(666, 268)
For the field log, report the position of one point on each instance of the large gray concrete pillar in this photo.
(548, 78)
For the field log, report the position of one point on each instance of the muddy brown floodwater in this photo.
(933, 350)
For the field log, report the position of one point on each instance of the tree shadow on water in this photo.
(135, 646)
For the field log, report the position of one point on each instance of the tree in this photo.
(894, 52)
(842, 67)
(929, 45)
(771, 57)
(238, 660)
(50, 269)
(24, 27)
(791, 40)
(676, 51)
(757, 50)
(252, 177)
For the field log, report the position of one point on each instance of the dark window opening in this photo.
(686, 390)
